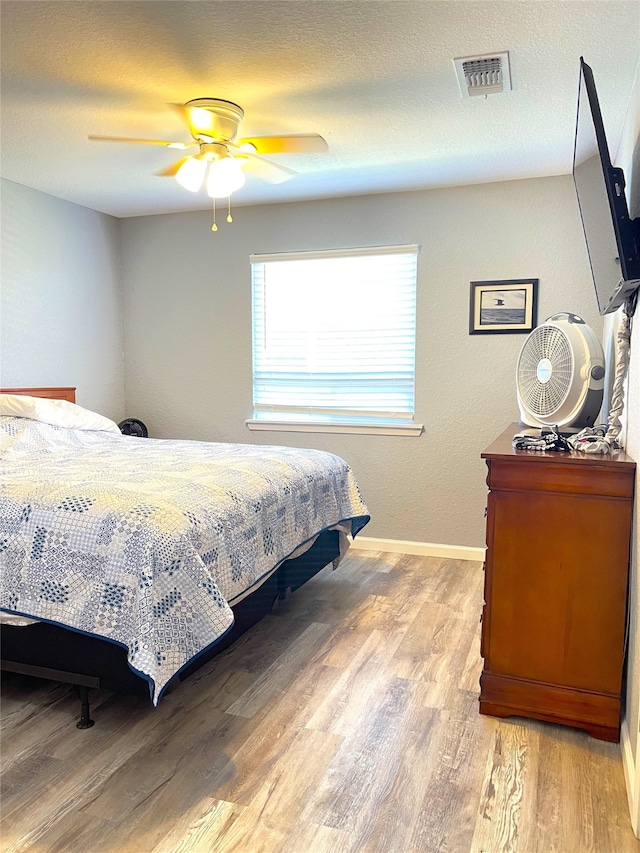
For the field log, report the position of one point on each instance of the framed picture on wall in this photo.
(503, 307)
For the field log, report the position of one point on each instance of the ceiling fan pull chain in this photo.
(214, 227)
(229, 217)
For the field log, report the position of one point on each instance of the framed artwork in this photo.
(503, 307)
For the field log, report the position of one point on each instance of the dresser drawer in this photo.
(538, 475)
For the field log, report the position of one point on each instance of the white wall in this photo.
(60, 300)
(188, 331)
(628, 158)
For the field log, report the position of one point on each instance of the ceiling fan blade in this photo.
(274, 173)
(171, 170)
(295, 143)
(181, 145)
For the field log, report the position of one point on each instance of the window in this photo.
(334, 340)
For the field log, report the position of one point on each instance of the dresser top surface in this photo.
(502, 447)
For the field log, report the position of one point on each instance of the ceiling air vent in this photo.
(483, 75)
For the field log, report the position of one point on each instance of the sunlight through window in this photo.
(334, 335)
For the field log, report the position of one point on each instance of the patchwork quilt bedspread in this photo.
(147, 542)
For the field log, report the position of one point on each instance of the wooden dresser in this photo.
(555, 590)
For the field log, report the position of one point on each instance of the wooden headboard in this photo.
(51, 393)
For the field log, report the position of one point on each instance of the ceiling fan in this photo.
(222, 158)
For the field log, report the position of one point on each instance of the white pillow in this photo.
(59, 413)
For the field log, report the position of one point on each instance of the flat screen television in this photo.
(613, 239)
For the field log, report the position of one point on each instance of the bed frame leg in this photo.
(85, 721)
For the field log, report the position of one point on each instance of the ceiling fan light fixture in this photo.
(225, 177)
(213, 124)
(191, 174)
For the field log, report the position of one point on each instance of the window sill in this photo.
(318, 426)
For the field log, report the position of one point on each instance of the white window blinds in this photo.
(334, 335)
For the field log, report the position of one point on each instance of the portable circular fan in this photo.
(133, 426)
(560, 374)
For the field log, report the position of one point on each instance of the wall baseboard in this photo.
(631, 777)
(421, 549)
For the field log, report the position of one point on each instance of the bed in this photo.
(129, 562)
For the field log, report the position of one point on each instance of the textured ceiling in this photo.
(376, 79)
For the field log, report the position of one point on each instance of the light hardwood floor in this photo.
(346, 722)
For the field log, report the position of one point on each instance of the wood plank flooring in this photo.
(346, 722)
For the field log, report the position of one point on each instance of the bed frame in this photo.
(61, 654)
